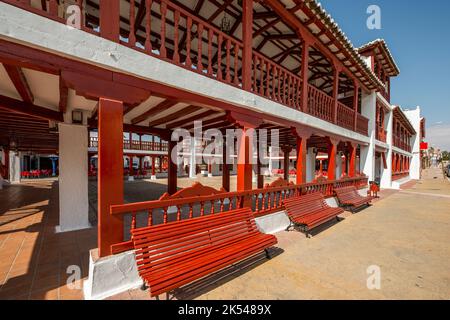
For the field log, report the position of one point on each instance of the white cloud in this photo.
(439, 136)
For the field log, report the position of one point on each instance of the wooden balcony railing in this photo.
(171, 33)
(381, 134)
(345, 116)
(135, 145)
(399, 175)
(320, 104)
(176, 208)
(275, 82)
(362, 124)
(399, 143)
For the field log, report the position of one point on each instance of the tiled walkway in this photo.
(33, 258)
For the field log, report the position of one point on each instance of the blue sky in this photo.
(417, 33)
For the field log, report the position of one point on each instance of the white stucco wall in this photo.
(73, 178)
(386, 175)
(368, 109)
(14, 167)
(414, 117)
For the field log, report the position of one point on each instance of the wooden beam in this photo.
(174, 116)
(163, 106)
(20, 82)
(29, 109)
(63, 95)
(199, 116)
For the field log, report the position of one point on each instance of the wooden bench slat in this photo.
(171, 255)
(349, 196)
(310, 210)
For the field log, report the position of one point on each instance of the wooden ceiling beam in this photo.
(163, 106)
(22, 107)
(199, 116)
(17, 77)
(174, 116)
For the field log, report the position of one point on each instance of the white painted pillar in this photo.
(14, 167)
(386, 174)
(73, 178)
(192, 160)
(368, 110)
(338, 166)
(414, 168)
(310, 165)
(270, 162)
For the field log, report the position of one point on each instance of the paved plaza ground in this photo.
(405, 234)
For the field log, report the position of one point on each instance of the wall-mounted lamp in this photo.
(77, 117)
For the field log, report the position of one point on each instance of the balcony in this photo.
(171, 32)
(136, 145)
(399, 143)
(381, 134)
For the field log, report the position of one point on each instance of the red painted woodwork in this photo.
(172, 255)
(20, 82)
(355, 105)
(244, 165)
(247, 38)
(207, 201)
(345, 116)
(304, 75)
(320, 105)
(109, 19)
(352, 160)
(276, 82)
(286, 163)
(332, 148)
(110, 173)
(172, 170)
(310, 211)
(362, 125)
(349, 197)
(26, 108)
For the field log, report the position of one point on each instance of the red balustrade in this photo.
(320, 104)
(171, 33)
(399, 143)
(381, 134)
(345, 116)
(275, 82)
(135, 145)
(362, 124)
(200, 200)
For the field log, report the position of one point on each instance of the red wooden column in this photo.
(172, 170)
(352, 160)
(301, 160)
(355, 104)
(286, 154)
(130, 164)
(110, 173)
(336, 72)
(244, 165)
(109, 19)
(332, 148)
(225, 168)
(304, 75)
(247, 39)
(153, 166)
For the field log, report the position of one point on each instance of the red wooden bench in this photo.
(310, 211)
(349, 197)
(171, 255)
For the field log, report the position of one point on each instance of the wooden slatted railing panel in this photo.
(263, 201)
(345, 116)
(275, 82)
(362, 125)
(320, 104)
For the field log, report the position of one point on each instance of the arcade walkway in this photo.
(405, 233)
